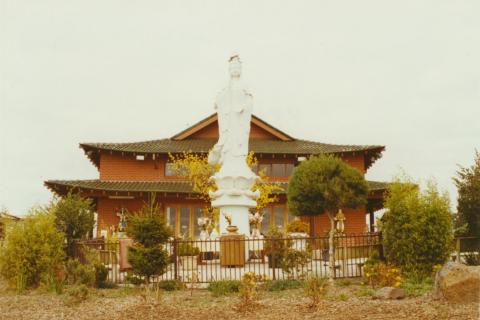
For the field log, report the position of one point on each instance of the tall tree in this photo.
(468, 185)
(323, 185)
(74, 217)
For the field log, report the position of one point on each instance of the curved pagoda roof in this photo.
(120, 186)
(184, 142)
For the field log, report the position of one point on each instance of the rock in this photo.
(389, 293)
(458, 283)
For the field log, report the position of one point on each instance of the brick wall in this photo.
(355, 222)
(107, 209)
(211, 132)
(127, 167)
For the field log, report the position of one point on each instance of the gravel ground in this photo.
(290, 304)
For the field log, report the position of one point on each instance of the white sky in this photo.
(405, 74)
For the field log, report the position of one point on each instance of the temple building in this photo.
(130, 172)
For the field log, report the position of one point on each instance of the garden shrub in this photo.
(33, 250)
(77, 294)
(248, 291)
(468, 207)
(134, 279)
(223, 287)
(378, 273)
(417, 228)
(280, 285)
(101, 276)
(298, 226)
(74, 217)
(150, 233)
(187, 249)
(415, 288)
(294, 261)
(148, 262)
(78, 273)
(315, 288)
(170, 285)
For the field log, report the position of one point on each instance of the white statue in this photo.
(234, 179)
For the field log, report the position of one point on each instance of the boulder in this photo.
(458, 283)
(389, 293)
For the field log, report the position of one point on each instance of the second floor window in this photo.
(169, 170)
(276, 169)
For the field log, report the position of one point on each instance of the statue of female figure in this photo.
(234, 108)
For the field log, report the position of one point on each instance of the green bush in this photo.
(295, 261)
(187, 249)
(276, 246)
(280, 285)
(33, 251)
(78, 273)
(415, 288)
(315, 288)
(148, 262)
(170, 285)
(224, 287)
(150, 232)
(74, 217)
(101, 275)
(77, 293)
(134, 279)
(468, 185)
(148, 229)
(417, 228)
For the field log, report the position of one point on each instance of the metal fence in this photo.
(229, 258)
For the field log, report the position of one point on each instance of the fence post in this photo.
(175, 259)
(458, 248)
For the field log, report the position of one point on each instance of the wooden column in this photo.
(372, 220)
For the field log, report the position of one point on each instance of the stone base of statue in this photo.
(234, 196)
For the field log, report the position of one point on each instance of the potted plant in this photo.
(188, 255)
(276, 246)
(298, 231)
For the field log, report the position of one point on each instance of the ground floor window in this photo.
(275, 216)
(183, 220)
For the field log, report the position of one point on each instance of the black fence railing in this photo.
(229, 258)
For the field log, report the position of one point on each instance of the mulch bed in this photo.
(290, 304)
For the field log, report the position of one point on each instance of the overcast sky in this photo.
(405, 74)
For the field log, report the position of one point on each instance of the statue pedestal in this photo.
(234, 196)
(239, 218)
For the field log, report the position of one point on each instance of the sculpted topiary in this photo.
(323, 185)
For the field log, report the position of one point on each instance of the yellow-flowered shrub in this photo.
(380, 274)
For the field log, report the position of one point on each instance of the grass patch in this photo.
(365, 291)
(344, 282)
(280, 285)
(224, 287)
(417, 288)
(342, 297)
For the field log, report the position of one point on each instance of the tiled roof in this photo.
(297, 147)
(204, 145)
(59, 186)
